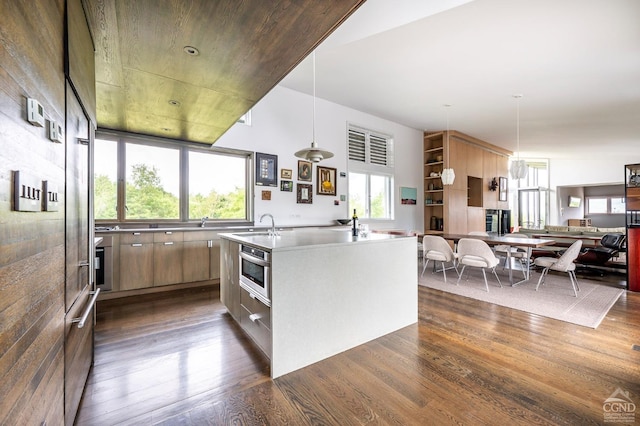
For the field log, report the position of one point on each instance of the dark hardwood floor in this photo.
(178, 358)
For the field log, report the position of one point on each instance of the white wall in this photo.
(282, 125)
(582, 171)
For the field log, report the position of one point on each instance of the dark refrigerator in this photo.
(498, 221)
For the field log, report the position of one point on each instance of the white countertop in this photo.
(290, 240)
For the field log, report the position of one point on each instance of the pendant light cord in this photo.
(313, 123)
(447, 106)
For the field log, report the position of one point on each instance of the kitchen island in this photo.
(329, 292)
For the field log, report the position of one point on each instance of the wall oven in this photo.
(103, 264)
(255, 273)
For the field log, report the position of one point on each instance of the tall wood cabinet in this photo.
(632, 196)
(460, 208)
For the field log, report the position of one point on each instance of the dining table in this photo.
(496, 240)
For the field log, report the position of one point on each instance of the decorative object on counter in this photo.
(314, 153)
(343, 221)
(304, 193)
(502, 195)
(304, 171)
(266, 195)
(448, 175)
(518, 167)
(286, 185)
(286, 173)
(266, 166)
(354, 224)
(493, 185)
(409, 195)
(363, 230)
(326, 177)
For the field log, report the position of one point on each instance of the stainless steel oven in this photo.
(103, 264)
(255, 273)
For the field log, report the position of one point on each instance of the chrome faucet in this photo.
(272, 231)
(203, 220)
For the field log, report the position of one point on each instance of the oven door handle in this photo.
(254, 259)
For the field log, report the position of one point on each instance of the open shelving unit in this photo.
(434, 154)
(632, 222)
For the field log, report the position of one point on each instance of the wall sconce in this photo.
(493, 185)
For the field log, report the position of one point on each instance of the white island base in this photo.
(330, 298)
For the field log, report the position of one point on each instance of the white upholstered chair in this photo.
(562, 264)
(477, 254)
(438, 249)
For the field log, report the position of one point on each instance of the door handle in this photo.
(80, 321)
(83, 263)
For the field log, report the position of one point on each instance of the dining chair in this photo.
(436, 248)
(515, 252)
(477, 253)
(563, 263)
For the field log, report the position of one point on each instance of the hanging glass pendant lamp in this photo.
(448, 175)
(314, 154)
(518, 167)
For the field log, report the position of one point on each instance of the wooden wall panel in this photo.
(474, 161)
(490, 171)
(31, 244)
(458, 160)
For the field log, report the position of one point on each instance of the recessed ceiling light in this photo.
(173, 102)
(190, 50)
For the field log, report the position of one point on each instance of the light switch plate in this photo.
(35, 112)
(56, 134)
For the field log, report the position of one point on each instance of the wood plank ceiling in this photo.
(146, 83)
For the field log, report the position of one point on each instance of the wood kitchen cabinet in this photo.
(229, 277)
(136, 260)
(201, 256)
(167, 258)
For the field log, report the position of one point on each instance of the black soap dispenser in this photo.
(354, 224)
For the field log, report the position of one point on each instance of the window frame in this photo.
(602, 197)
(184, 147)
(362, 161)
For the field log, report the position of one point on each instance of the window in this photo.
(370, 174)
(221, 195)
(153, 179)
(605, 205)
(168, 181)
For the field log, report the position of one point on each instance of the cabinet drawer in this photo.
(258, 332)
(255, 306)
(256, 323)
(136, 237)
(200, 235)
(167, 236)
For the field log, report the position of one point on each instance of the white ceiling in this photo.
(576, 63)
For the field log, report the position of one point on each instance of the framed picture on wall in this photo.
(304, 170)
(326, 177)
(266, 169)
(502, 187)
(305, 193)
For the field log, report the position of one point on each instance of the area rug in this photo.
(554, 299)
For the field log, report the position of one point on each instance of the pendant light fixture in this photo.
(448, 175)
(314, 154)
(518, 167)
